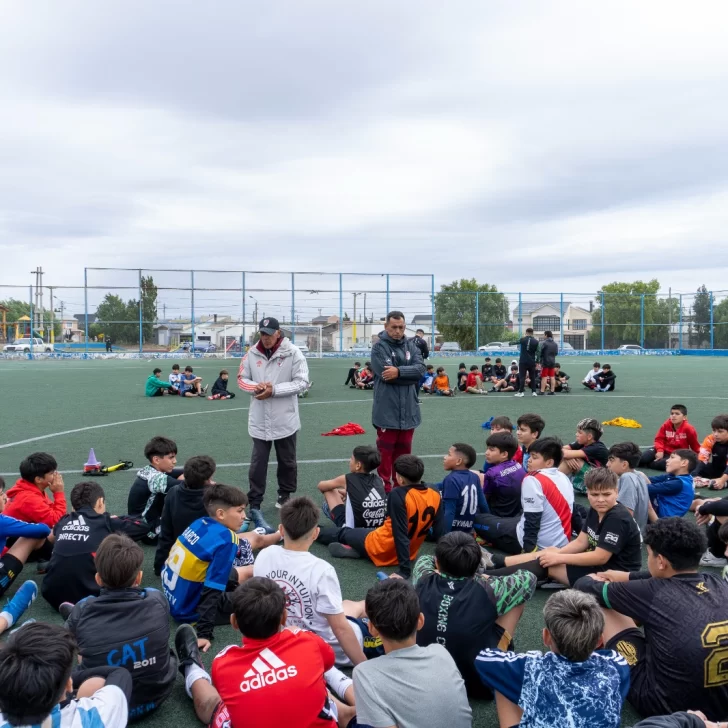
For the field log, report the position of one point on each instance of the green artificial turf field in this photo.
(66, 407)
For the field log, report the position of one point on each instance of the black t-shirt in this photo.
(597, 453)
(617, 533)
(462, 376)
(513, 380)
(685, 619)
(366, 500)
(719, 454)
(500, 371)
(487, 371)
(529, 347)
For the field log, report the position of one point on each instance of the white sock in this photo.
(338, 682)
(193, 673)
(8, 618)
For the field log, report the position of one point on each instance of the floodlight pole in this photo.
(192, 307)
(85, 308)
(141, 315)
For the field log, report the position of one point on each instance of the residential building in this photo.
(546, 316)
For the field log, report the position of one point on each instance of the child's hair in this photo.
(367, 363)
(37, 465)
(487, 358)
(393, 607)
(550, 448)
(474, 368)
(198, 470)
(461, 365)
(548, 334)
(723, 532)
(175, 367)
(627, 451)
(440, 369)
(118, 561)
(590, 426)
(224, 371)
(430, 366)
(223, 496)
(514, 367)
(458, 555)
(719, 422)
(600, 479)
(86, 494)
(35, 664)
(188, 368)
(680, 542)
(503, 441)
(159, 447)
(680, 408)
(502, 422)
(299, 516)
(575, 621)
(410, 467)
(357, 364)
(557, 365)
(534, 423)
(156, 371)
(368, 456)
(596, 364)
(258, 605)
(2, 484)
(498, 360)
(467, 451)
(688, 455)
(607, 367)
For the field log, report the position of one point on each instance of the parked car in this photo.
(361, 349)
(630, 347)
(498, 346)
(450, 346)
(198, 348)
(28, 345)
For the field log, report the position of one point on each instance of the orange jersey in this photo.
(412, 510)
(442, 382)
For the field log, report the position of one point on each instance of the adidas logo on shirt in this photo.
(268, 669)
(373, 508)
(77, 524)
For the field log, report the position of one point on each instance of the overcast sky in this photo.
(539, 146)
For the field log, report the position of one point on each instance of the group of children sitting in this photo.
(360, 377)
(187, 384)
(428, 638)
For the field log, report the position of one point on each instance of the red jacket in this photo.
(668, 439)
(27, 503)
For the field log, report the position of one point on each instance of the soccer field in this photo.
(66, 407)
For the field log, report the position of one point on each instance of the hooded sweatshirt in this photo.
(670, 438)
(28, 503)
(147, 493)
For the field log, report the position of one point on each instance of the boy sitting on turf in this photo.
(219, 389)
(633, 495)
(486, 371)
(276, 678)
(413, 510)
(462, 496)
(191, 384)
(183, 505)
(590, 380)
(529, 429)
(474, 382)
(606, 379)
(311, 585)
(510, 383)
(713, 514)
(547, 500)
(147, 492)
(504, 477)
(357, 499)
(156, 387)
(353, 374)
(499, 371)
(71, 574)
(676, 433)
(587, 452)
(27, 500)
(125, 626)
(479, 612)
(712, 471)
(441, 385)
(427, 379)
(672, 494)
(575, 684)
(366, 377)
(175, 379)
(462, 376)
(409, 685)
(209, 560)
(35, 679)
(562, 380)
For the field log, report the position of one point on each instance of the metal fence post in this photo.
(712, 330)
(680, 325)
(243, 338)
(293, 307)
(341, 312)
(432, 287)
(192, 307)
(477, 320)
(387, 292)
(30, 293)
(520, 314)
(561, 319)
(141, 313)
(604, 315)
(85, 308)
(642, 320)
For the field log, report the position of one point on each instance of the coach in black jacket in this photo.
(421, 343)
(527, 361)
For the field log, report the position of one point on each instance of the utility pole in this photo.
(353, 332)
(365, 318)
(38, 273)
(60, 310)
(52, 336)
(669, 313)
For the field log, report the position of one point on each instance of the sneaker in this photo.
(519, 394)
(382, 575)
(257, 518)
(205, 388)
(709, 560)
(702, 482)
(493, 389)
(551, 584)
(486, 559)
(550, 392)
(185, 645)
(340, 551)
(282, 500)
(42, 567)
(65, 610)
(23, 598)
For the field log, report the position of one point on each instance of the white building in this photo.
(546, 316)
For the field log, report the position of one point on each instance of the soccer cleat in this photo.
(205, 388)
(486, 560)
(340, 551)
(709, 559)
(282, 500)
(519, 394)
(257, 518)
(702, 482)
(23, 598)
(185, 645)
(65, 610)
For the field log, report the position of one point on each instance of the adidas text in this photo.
(268, 678)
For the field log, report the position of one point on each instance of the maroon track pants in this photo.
(391, 444)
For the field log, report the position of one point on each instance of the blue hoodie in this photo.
(671, 495)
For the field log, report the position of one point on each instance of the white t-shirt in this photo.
(311, 586)
(175, 379)
(534, 500)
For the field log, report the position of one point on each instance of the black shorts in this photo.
(338, 515)
(356, 538)
(632, 645)
(502, 533)
(10, 567)
(574, 573)
(225, 605)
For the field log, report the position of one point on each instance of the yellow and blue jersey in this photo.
(201, 557)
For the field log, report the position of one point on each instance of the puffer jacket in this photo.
(276, 417)
(395, 404)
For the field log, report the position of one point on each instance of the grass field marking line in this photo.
(159, 417)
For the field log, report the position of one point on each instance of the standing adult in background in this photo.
(108, 342)
(274, 372)
(421, 343)
(549, 352)
(397, 364)
(527, 362)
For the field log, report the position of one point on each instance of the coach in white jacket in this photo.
(273, 372)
